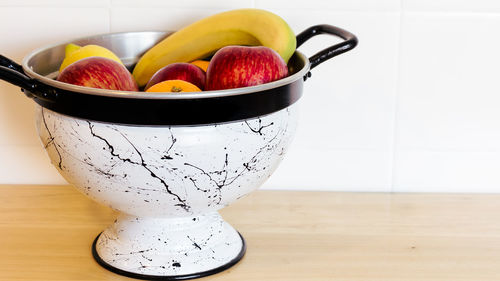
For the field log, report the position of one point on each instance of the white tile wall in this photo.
(448, 119)
(172, 18)
(415, 107)
(467, 6)
(54, 3)
(329, 5)
(188, 4)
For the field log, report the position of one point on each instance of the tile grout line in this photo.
(395, 137)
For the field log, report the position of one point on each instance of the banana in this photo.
(251, 27)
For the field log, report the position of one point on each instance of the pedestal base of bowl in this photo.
(168, 249)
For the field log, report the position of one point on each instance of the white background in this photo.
(415, 107)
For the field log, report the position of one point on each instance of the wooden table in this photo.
(46, 233)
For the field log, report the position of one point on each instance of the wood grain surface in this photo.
(46, 233)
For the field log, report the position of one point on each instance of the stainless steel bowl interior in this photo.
(43, 64)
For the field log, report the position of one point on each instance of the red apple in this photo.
(98, 72)
(179, 71)
(241, 66)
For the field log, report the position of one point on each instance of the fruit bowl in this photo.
(166, 162)
(168, 182)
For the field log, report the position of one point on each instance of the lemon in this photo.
(75, 52)
(70, 48)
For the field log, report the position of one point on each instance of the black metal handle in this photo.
(4, 61)
(15, 77)
(350, 42)
(14, 74)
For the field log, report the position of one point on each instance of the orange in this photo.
(203, 64)
(173, 86)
